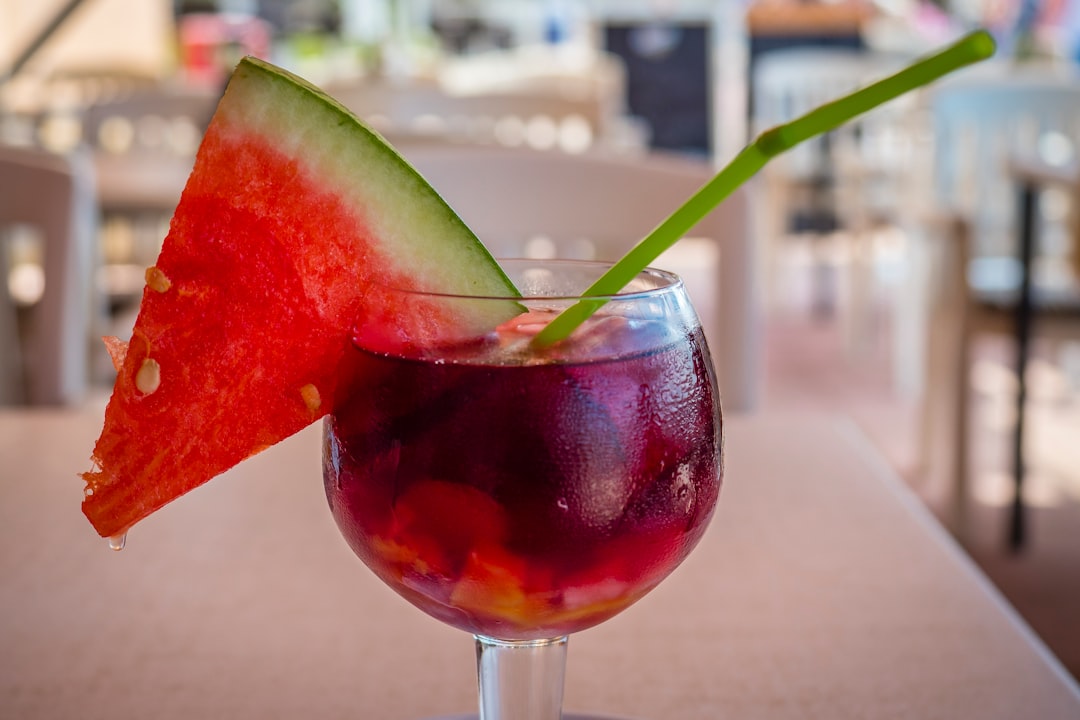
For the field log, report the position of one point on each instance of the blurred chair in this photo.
(846, 180)
(597, 206)
(50, 197)
(1005, 268)
(143, 143)
(982, 121)
(541, 118)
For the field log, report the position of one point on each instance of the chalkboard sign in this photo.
(668, 80)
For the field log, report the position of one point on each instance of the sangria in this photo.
(520, 492)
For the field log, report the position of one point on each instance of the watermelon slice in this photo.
(292, 209)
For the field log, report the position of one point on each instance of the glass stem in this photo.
(520, 680)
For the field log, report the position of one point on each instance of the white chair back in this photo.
(597, 206)
(53, 196)
(537, 118)
(981, 122)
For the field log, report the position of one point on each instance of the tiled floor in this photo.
(808, 365)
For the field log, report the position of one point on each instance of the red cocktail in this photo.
(521, 492)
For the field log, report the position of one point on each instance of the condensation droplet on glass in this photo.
(117, 542)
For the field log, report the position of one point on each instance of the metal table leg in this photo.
(1024, 318)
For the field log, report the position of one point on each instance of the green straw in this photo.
(972, 48)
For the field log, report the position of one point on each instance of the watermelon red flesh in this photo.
(292, 209)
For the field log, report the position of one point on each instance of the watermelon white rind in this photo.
(294, 217)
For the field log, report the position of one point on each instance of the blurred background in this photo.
(916, 270)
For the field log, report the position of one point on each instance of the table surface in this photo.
(823, 589)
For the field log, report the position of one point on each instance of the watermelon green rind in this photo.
(293, 214)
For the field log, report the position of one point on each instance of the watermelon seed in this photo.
(157, 280)
(311, 397)
(148, 378)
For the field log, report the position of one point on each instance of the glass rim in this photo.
(668, 281)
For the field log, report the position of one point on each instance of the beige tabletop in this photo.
(822, 590)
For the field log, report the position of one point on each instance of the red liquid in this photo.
(526, 501)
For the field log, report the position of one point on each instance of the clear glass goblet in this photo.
(523, 493)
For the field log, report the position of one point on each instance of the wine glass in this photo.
(522, 492)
